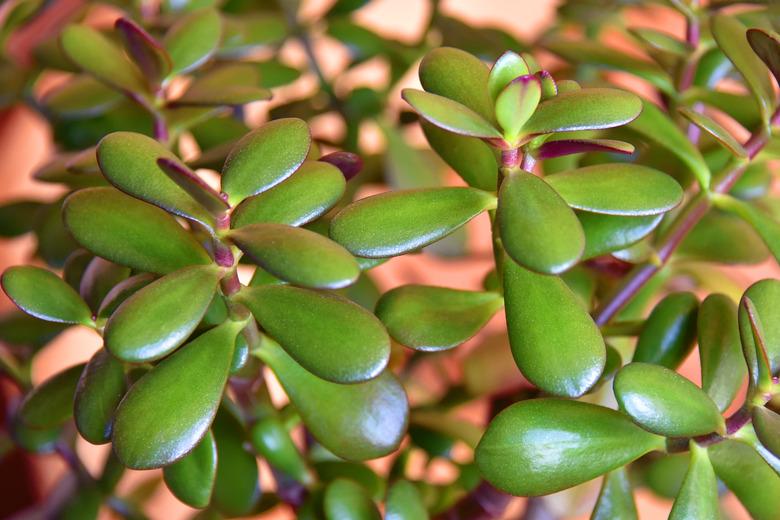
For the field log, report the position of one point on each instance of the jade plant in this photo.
(215, 258)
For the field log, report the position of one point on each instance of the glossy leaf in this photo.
(470, 157)
(714, 128)
(328, 335)
(299, 256)
(587, 109)
(538, 229)
(608, 233)
(766, 45)
(767, 426)
(698, 497)
(561, 147)
(193, 39)
(450, 115)
(669, 333)
(435, 318)
(140, 236)
(616, 499)
(157, 319)
(664, 402)
(766, 227)
(51, 403)
(392, 224)
(356, 422)
(43, 294)
(129, 162)
(722, 366)
(272, 441)
(540, 446)
(404, 502)
(347, 500)
(145, 51)
(100, 388)
(516, 104)
(617, 189)
(161, 418)
(191, 478)
(191, 183)
(542, 311)
(306, 195)
(94, 53)
(764, 296)
(750, 478)
(236, 488)
(265, 157)
(656, 126)
(507, 67)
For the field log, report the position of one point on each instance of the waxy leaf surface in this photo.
(236, 488)
(43, 294)
(712, 127)
(698, 497)
(152, 59)
(765, 298)
(101, 386)
(767, 426)
(608, 233)
(193, 39)
(191, 478)
(516, 104)
(669, 333)
(450, 115)
(507, 67)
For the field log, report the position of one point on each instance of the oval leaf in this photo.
(766, 227)
(449, 115)
(100, 388)
(507, 67)
(698, 497)
(561, 147)
(236, 489)
(193, 39)
(765, 298)
(669, 333)
(273, 442)
(767, 426)
(45, 295)
(347, 500)
(714, 128)
(191, 478)
(766, 45)
(616, 499)
(516, 104)
(392, 224)
(551, 442)
(145, 51)
(609, 233)
(542, 311)
(404, 502)
(51, 403)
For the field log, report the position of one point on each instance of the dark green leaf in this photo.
(542, 311)
(45, 295)
(272, 441)
(236, 489)
(191, 183)
(154, 321)
(507, 67)
(51, 403)
(404, 502)
(669, 333)
(714, 128)
(450, 115)
(244, 34)
(608, 233)
(767, 426)
(538, 229)
(664, 402)
(129, 232)
(100, 388)
(161, 418)
(193, 39)
(616, 499)
(191, 478)
(435, 318)
(265, 157)
(347, 500)
(540, 446)
(328, 335)
(122, 291)
(470, 157)
(392, 224)
(698, 497)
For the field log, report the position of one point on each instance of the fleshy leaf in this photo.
(273, 442)
(714, 128)
(766, 227)
(130, 232)
(232, 85)
(540, 446)
(82, 96)
(236, 488)
(392, 224)
(608, 233)
(157, 319)
(356, 422)
(662, 401)
(767, 46)
(152, 60)
(193, 39)
(516, 104)
(162, 418)
(450, 115)
(43, 294)
(669, 333)
(542, 311)
(538, 229)
(348, 500)
(698, 497)
(191, 478)
(101, 386)
(561, 147)
(328, 335)
(51, 403)
(616, 499)
(435, 318)
(507, 67)
(617, 189)
(763, 297)
(404, 502)
(767, 426)
(472, 159)
(299, 256)
(191, 183)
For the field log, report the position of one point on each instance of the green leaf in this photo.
(82, 96)
(152, 60)
(51, 403)
(129, 232)
(94, 53)
(233, 84)
(43, 294)
(472, 159)
(154, 321)
(100, 388)
(98, 278)
(608, 233)
(766, 45)
(191, 478)
(449, 115)
(766, 227)
(122, 291)
(617, 189)
(767, 426)
(542, 311)
(404, 502)
(656, 126)
(714, 128)
(616, 499)
(435, 318)
(243, 34)
(459, 76)
(540, 446)
(355, 422)
(751, 479)
(764, 296)
(129, 162)
(738, 106)
(507, 67)
(698, 497)
(162, 418)
(272, 441)
(308, 194)
(669, 333)
(192, 40)
(664, 402)
(265, 157)
(538, 229)
(392, 224)
(723, 238)
(587, 109)
(299, 256)
(730, 35)
(516, 104)
(328, 335)
(236, 489)
(347, 500)
(193, 185)
(720, 352)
